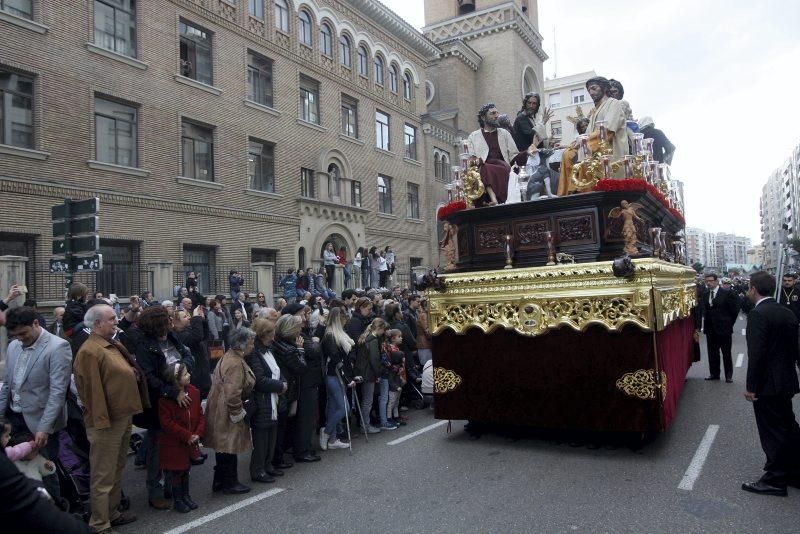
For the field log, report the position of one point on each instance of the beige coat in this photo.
(478, 147)
(612, 111)
(231, 383)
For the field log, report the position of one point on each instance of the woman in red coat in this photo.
(179, 441)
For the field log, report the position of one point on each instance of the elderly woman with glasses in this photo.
(227, 429)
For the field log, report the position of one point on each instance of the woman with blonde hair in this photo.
(368, 365)
(227, 430)
(336, 347)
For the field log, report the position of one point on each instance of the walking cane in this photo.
(418, 391)
(360, 415)
(346, 415)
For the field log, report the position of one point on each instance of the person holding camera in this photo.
(236, 282)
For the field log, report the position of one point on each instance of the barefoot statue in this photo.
(627, 210)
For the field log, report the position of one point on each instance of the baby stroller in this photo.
(72, 463)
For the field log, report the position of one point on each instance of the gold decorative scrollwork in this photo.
(642, 384)
(445, 380)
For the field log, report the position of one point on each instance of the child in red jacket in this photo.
(181, 430)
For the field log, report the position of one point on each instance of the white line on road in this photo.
(417, 433)
(744, 331)
(739, 359)
(224, 511)
(696, 467)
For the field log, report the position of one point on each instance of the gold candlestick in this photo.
(508, 252)
(551, 249)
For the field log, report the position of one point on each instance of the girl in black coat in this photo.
(264, 412)
(290, 356)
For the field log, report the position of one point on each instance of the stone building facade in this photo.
(217, 134)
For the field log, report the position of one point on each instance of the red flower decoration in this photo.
(450, 208)
(635, 184)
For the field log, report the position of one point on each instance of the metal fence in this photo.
(215, 280)
(119, 279)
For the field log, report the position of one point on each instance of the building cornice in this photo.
(390, 21)
(58, 191)
(461, 50)
(495, 19)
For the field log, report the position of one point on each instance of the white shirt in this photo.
(269, 359)
(762, 299)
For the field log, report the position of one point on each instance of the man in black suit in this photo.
(790, 294)
(772, 351)
(719, 309)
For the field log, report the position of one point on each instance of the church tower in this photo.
(491, 51)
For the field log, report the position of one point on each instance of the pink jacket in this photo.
(18, 452)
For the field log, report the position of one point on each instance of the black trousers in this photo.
(716, 344)
(306, 422)
(329, 270)
(263, 449)
(780, 439)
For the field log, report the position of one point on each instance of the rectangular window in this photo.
(382, 130)
(349, 116)
(197, 151)
(257, 8)
(261, 255)
(115, 25)
(259, 79)
(355, 193)
(384, 194)
(410, 139)
(122, 273)
(412, 201)
(16, 109)
(307, 188)
(554, 100)
(309, 100)
(196, 53)
(20, 8)
(578, 96)
(555, 129)
(415, 262)
(115, 132)
(261, 166)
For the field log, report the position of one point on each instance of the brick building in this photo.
(225, 134)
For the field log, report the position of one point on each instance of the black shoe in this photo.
(200, 460)
(308, 458)
(263, 478)
(275, 472)
(123, 519)
(179, 505)
(712, 378)
(762, 488)
(235, 488)
(216, 485)
(794, 482)
(282, 465)
(189, 502)
(729, 380)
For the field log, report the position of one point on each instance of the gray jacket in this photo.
(214, 325)
(44, 386)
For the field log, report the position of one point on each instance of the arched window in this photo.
(304, 28)
(393, 78)
(325, 39)
(334, 181)
(378, 70)
(407, 86)
(362, 60)
(345, 54)
(282, 15)
(445, 168)
(437, 166)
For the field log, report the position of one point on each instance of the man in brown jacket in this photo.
(112, 389)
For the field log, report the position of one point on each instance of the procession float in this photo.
(570, 312)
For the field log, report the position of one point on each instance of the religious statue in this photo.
(448, 245)
(627, 210)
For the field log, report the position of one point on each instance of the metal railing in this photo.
(118, 279)
(214, 280)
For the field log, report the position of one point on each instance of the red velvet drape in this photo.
(675, 353)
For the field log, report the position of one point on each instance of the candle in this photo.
(601, 127)
(648, 146)
(662, 171)
(455, 170)
(584, 141)
(638, 139)
(627, 164)
(464, 146)
(606, 167)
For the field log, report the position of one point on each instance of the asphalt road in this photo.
(437, 481)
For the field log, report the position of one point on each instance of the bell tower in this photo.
(491, 51)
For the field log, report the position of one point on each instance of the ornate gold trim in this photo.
(445, 380)
(534, 300)
(642, 384)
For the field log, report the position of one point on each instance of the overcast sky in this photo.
(719, 77)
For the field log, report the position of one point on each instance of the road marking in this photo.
(739, 360)
(417, 433)
(696, 467)
(224, 511)
(744, 331)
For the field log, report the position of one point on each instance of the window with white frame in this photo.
(382, 130)
(256, 8)
(412, 201)
(307, 183)
(115, 132)
(384, 194)
(259, 79)
(309, 100)
(197, 151)
(114, 25)
(554, 100)
(410, 141)
(555, 129)
(578, 96)
(261, 166)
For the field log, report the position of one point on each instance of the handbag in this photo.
(215, 350)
